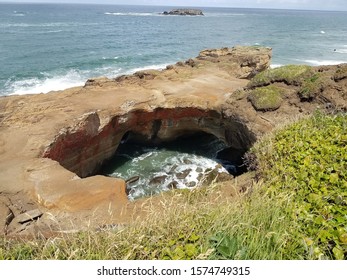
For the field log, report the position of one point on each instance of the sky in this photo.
(336, 5)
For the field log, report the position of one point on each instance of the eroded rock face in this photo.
(50, 143)
(84, 147)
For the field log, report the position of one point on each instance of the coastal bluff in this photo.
(52, 145)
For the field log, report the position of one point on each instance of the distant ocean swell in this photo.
(53, 47)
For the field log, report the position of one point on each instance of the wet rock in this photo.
(173, 168)
(172, 185)
(199, 170)
(157, 180)
(187, 161)
(182, 175)
(191, 184)
(132, 180)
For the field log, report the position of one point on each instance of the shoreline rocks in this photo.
(184, 12)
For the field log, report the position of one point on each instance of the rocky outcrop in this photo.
(184, 12)
(246, 62)
(52, 144)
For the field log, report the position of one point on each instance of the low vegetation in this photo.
(267, 98)
(289, 74)
(307, 162)
(296, 210)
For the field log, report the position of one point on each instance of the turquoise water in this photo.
(183, 163)
(47, 47)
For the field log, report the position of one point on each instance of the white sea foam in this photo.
(272, 66)
(35, 85)
(70, 79)
(341, 50)
(323, 62)
(152, 67)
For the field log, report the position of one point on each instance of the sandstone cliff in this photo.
(51, 145)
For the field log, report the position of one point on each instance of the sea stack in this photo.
(185, 12)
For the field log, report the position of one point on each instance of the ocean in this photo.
(46, 47)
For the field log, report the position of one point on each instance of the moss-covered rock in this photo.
(267, 98)
(290, 74)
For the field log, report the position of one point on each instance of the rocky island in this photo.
(184, 12)
(52, 145)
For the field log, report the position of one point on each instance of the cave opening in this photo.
(150, 167)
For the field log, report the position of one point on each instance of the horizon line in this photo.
(155, 5)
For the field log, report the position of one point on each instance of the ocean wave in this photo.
(272, 66)
(341, 51)
(72, 78)
(37, 85)
(323, 62)
(148, 67)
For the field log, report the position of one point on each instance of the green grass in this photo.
(297, 210)
(190, 226)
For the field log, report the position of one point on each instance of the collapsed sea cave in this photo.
(188, 161)
(155, 150)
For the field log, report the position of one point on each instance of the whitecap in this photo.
(322, 32)
(323, 62)
(340, 50)
(273, 66)
(36, 85)
(149, 67)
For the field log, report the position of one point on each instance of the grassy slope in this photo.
(296, 211)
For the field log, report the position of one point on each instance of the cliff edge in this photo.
(52, 145)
